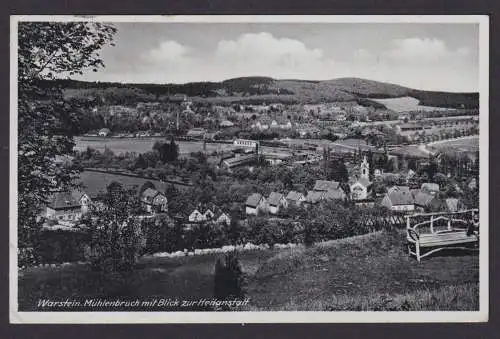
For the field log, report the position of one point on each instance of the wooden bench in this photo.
(458, 234)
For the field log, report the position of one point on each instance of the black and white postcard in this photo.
(249, 169)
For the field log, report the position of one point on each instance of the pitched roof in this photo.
(334, 194)
(430, 186)
(294, 196)
(423, 198)
(325, 185)
(226, 123)
(314, 196)
(363, 181)
(240, 160)
(77, 194)
(275, 198)
(400, 195)
(149, 194)
(62, 200)
(203, 208)
(253, 200)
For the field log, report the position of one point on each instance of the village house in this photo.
(295, 198)
(121, 111)
(281, 123)
(453, 205)
(197, 133)
(398, 199)
(238, 160)
(104, 132)
(154, 201)
(326, 185)
(430, 187)
(425, 201)
(275, 202)
(360, 189)
(208, 213)
(262, 123)
(314, 197)
(340, 117)
(83, 199)
(329, 189)
(472, 184)
(226, 124)
(338, 194)
(255, 203)
(307, 130)
(62, 206)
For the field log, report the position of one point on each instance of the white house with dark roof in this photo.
(104, 132)
(64, 207)
(154, 201)
(430, 187)
(275, 202)
(83, 199)
(360, 189)
(226, 124)
(255, 203)
(398, 199)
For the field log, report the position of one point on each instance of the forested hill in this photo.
(255, 89)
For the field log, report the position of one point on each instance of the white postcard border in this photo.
(262, 316)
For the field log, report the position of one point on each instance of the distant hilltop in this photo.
(269, 90)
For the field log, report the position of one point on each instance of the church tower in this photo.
(365, 169)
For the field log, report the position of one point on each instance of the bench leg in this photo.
(417, 251)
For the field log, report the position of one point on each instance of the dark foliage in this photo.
(228, 278)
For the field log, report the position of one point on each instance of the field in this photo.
(141, 145)
(468, 144)
(369, 272)
(406, 104)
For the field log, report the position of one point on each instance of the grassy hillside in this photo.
(258, 89)
(369, 272)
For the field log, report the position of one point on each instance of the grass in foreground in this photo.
(369, 272)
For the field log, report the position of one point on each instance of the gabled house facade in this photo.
(255, 203)
(295, 198)
(63, 206)
(154, 201)
(275, 202)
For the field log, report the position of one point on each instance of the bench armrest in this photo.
(413, 234)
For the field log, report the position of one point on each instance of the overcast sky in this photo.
(424, 56)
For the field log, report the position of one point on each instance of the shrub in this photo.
(228, 278)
